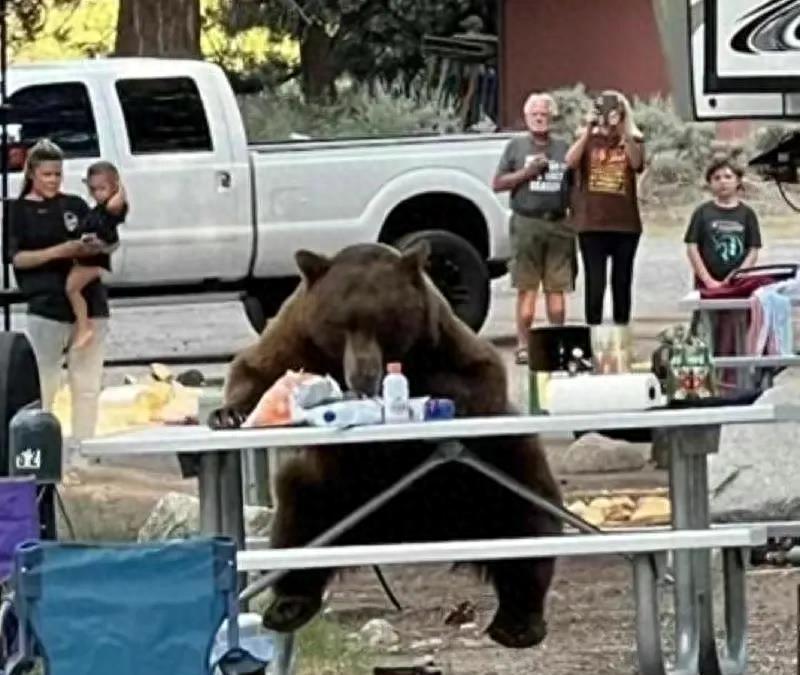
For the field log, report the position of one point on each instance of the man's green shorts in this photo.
(543, 253)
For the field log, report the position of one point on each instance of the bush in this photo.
(387, 110)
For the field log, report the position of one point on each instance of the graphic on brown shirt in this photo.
(607, 170)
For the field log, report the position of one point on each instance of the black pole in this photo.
(4, 152)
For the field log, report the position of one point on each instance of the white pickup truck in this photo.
(212, 213)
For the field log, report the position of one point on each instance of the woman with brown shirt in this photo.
(606, 157)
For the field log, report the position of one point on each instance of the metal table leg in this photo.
(688, 478)
(689, 499)
(745, 377)
(284, 661)
(706, 327)
(209, 493)
(734, 659)
(231, 499)
(648, 624)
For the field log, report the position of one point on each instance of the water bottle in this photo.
(396, 406)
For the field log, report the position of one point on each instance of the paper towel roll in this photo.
(597, 393)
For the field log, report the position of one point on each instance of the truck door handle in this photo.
(224, 179)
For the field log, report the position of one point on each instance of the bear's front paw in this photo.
(288, 613)
(226, 418)
(517, 632)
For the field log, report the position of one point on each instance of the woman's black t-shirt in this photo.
(41, 224)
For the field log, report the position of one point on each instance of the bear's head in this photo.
(367, 306)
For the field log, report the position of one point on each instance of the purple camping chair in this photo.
(19, 519)
(19, 522)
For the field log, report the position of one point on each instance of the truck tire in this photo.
(264, 298)
(458, 271)
(19, 384)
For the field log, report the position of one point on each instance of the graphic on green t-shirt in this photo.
(728, 241)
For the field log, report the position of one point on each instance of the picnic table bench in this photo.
(690, 435)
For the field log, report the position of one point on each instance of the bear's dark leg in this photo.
(305, 510)
(521, 587)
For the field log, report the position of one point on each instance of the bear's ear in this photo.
(312, 265)
(415, 258)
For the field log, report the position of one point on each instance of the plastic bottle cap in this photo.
(394, 367)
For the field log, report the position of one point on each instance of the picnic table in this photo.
(749, 368)
(691, 434)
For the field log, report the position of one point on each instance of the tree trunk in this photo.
(319, 71)
(164, 28)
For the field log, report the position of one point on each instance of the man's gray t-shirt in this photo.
(547, 193)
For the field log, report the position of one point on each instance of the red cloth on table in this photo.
(736, 288)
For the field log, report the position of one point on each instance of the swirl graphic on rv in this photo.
(773, 26)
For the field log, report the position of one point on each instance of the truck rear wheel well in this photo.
(438, 211)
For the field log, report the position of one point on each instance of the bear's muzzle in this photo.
(363, 364)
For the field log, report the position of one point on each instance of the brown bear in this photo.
(350, 315)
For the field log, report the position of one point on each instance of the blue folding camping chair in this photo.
(129, 609)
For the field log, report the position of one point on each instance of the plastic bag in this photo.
(281, 405)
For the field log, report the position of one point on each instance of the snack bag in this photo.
(283, 403)
(275, 406)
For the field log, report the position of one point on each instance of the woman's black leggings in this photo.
(596, 248)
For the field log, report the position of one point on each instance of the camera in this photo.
(603, 106)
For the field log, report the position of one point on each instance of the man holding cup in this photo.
(533, 169)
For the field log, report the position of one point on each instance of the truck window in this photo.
(61, 112)
(164, 115)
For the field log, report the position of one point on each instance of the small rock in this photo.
(379, 633)
(177, 516)
(756, 473)
(578, 507)
(468, 626)
(593, 453)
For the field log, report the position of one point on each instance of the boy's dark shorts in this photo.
(543, 253)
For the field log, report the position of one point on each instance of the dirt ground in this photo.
(590, 614)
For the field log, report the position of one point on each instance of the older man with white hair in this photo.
(533, 169)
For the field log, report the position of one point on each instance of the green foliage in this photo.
(324, 647)
(28, 17)
(63, 29)
(59, 29)
(366, 39)
(573, 104)
(357, 112)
